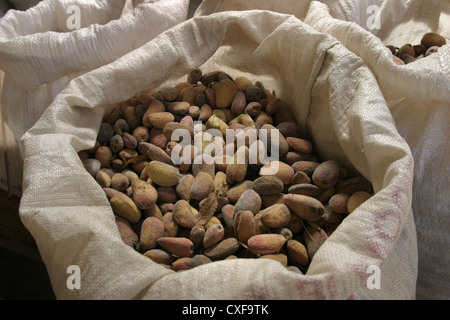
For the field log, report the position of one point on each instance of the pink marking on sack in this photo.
(317, 287)
(388, 225)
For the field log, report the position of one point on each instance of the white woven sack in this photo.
(40, 52)
(418, 96)
(336, 102)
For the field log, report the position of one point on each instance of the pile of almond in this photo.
(430, 43)
(215, 168)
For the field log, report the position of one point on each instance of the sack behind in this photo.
(41, 51)
(337, 104)
(417, 94)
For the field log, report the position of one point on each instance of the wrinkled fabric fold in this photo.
(337, 104)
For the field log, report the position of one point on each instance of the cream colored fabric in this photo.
(40, 52)
(337, 104)
(418, 96)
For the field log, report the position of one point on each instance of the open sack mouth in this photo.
(187, 171)
(165, 183)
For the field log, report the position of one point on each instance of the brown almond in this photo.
(300, 177)
(228, 215)
(305, 207)
(292, 157)
(159, 256)
(104, 154)
(167, 194)
(278, 169)
(196, 235)
(237, 171)
(188, 95)
(297, 253)
(300, 145)
(275, 141)
(253, 108)
(331, 216)
(249, 201)
(178, 246)
(151, 230)
(183, 214)
(144, 194)
(276, 216)
(326, 174)
(253, 93)
(123, 206)
(356, 200)
(220, 184)
(169, 93)
(234, 193)
(157, 137)
(288, 129)
(272, 199)
(313, 238)
(224, 93)
(222, 249)
(306, 189)
(242, 83)
(202, 186)
(194, 76)
(155, 106)
(160, 119)
(198, 260)
(338, 203)
(178, 107)
(274, 106)
(432, 39)
(213, 235)
(244, 225)
(205, 112)
(181, 264)
(307, 167)
(266, 243)
(103, 179)
(116, 143)
(156, 153)
(239, 103)
(163, 174)
(105, 133)
(263, 118)
(170, 225)
(179, 129)
(183, 188)
(129, 237)
(210, 77)
(268, 185)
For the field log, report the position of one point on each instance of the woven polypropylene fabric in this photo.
(336, 102)
(417, 94)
